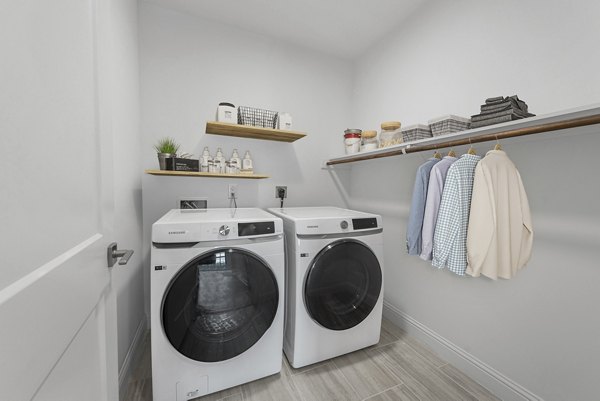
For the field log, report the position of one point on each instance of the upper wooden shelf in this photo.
(579, 117)
(245, 131)
(199, 174)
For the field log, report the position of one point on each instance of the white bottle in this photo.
(204, 160)
(284, 121)
(247, 164)
(219, 161)
(235, 162)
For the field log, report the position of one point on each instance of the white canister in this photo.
(284, 121)
(227, 113)
(352, 141)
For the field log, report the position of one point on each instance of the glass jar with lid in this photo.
(390, 134)
(352, 140)
(369, 141)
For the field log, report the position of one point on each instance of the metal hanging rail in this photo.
(466, 138)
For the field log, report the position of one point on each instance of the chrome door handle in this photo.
(112, 254)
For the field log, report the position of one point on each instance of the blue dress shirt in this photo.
(417, 207)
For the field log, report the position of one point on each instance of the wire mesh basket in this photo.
(257, 117)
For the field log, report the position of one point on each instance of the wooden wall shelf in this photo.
(579, 117)
(245, 131)
(210, 175)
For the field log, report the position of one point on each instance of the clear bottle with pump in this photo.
(204, 160)
(247, 165)
(235, 162)
(219, 161)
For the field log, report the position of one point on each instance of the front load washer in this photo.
(217, 296)
(334, 282)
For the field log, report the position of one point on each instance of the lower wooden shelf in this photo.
(199, 174)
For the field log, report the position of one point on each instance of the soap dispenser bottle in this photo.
(219, 161)
(204, 160)
(235, 162)
(247, 167)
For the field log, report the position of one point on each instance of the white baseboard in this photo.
(133, 354)
(500, 385)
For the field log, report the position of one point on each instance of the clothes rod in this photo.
(535, 129)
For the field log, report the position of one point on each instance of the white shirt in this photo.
(500, 233)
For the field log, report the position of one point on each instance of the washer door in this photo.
(219, 305)
(342, 285)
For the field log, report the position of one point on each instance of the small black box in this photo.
(178, 164)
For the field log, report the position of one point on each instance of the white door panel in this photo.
(75, 377)
(42, 313)
(48, 120)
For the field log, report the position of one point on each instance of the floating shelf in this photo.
(199, 174)
(245, 131)
(579, 117)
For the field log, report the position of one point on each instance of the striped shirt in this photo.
(432, 205)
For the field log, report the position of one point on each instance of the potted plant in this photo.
(165, 148)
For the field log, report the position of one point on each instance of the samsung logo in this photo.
(176, 232)
(312, 226)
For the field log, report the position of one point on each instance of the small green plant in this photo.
(167, 145)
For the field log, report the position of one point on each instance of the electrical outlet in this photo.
(278, 189)
(232, 191)
(192, 203)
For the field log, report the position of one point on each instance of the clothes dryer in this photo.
(334, 282)
(217, 288)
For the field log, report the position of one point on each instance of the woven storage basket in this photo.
(257, 117)
(448, 124)
(416, 132)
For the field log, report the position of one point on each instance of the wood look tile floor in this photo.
(398, 368)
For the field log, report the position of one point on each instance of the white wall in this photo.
(539, 329)
(125, 123)
(189, 65)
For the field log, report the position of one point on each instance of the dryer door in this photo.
(219, 304)
(342, 285)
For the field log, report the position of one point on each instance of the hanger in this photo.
(471, 150)
(437, 155)
(452, 153)
(498, 146)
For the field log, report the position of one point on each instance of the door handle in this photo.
(112, 254)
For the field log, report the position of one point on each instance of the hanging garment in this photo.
(500, 235)
(450, 237)
(417, 207)
(437, 177)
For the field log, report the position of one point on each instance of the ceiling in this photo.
(344, 28)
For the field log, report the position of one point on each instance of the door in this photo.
(57, 310)
(342, 284)
(219, 304)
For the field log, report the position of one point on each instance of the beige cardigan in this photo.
(500, 232)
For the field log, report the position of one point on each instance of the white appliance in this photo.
(334, 282)
(217, 295)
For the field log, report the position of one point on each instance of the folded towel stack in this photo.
(499, 110)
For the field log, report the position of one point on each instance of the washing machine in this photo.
(217, 296)
(334, 282)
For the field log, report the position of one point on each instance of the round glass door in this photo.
(219, 305)
(342, 285)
